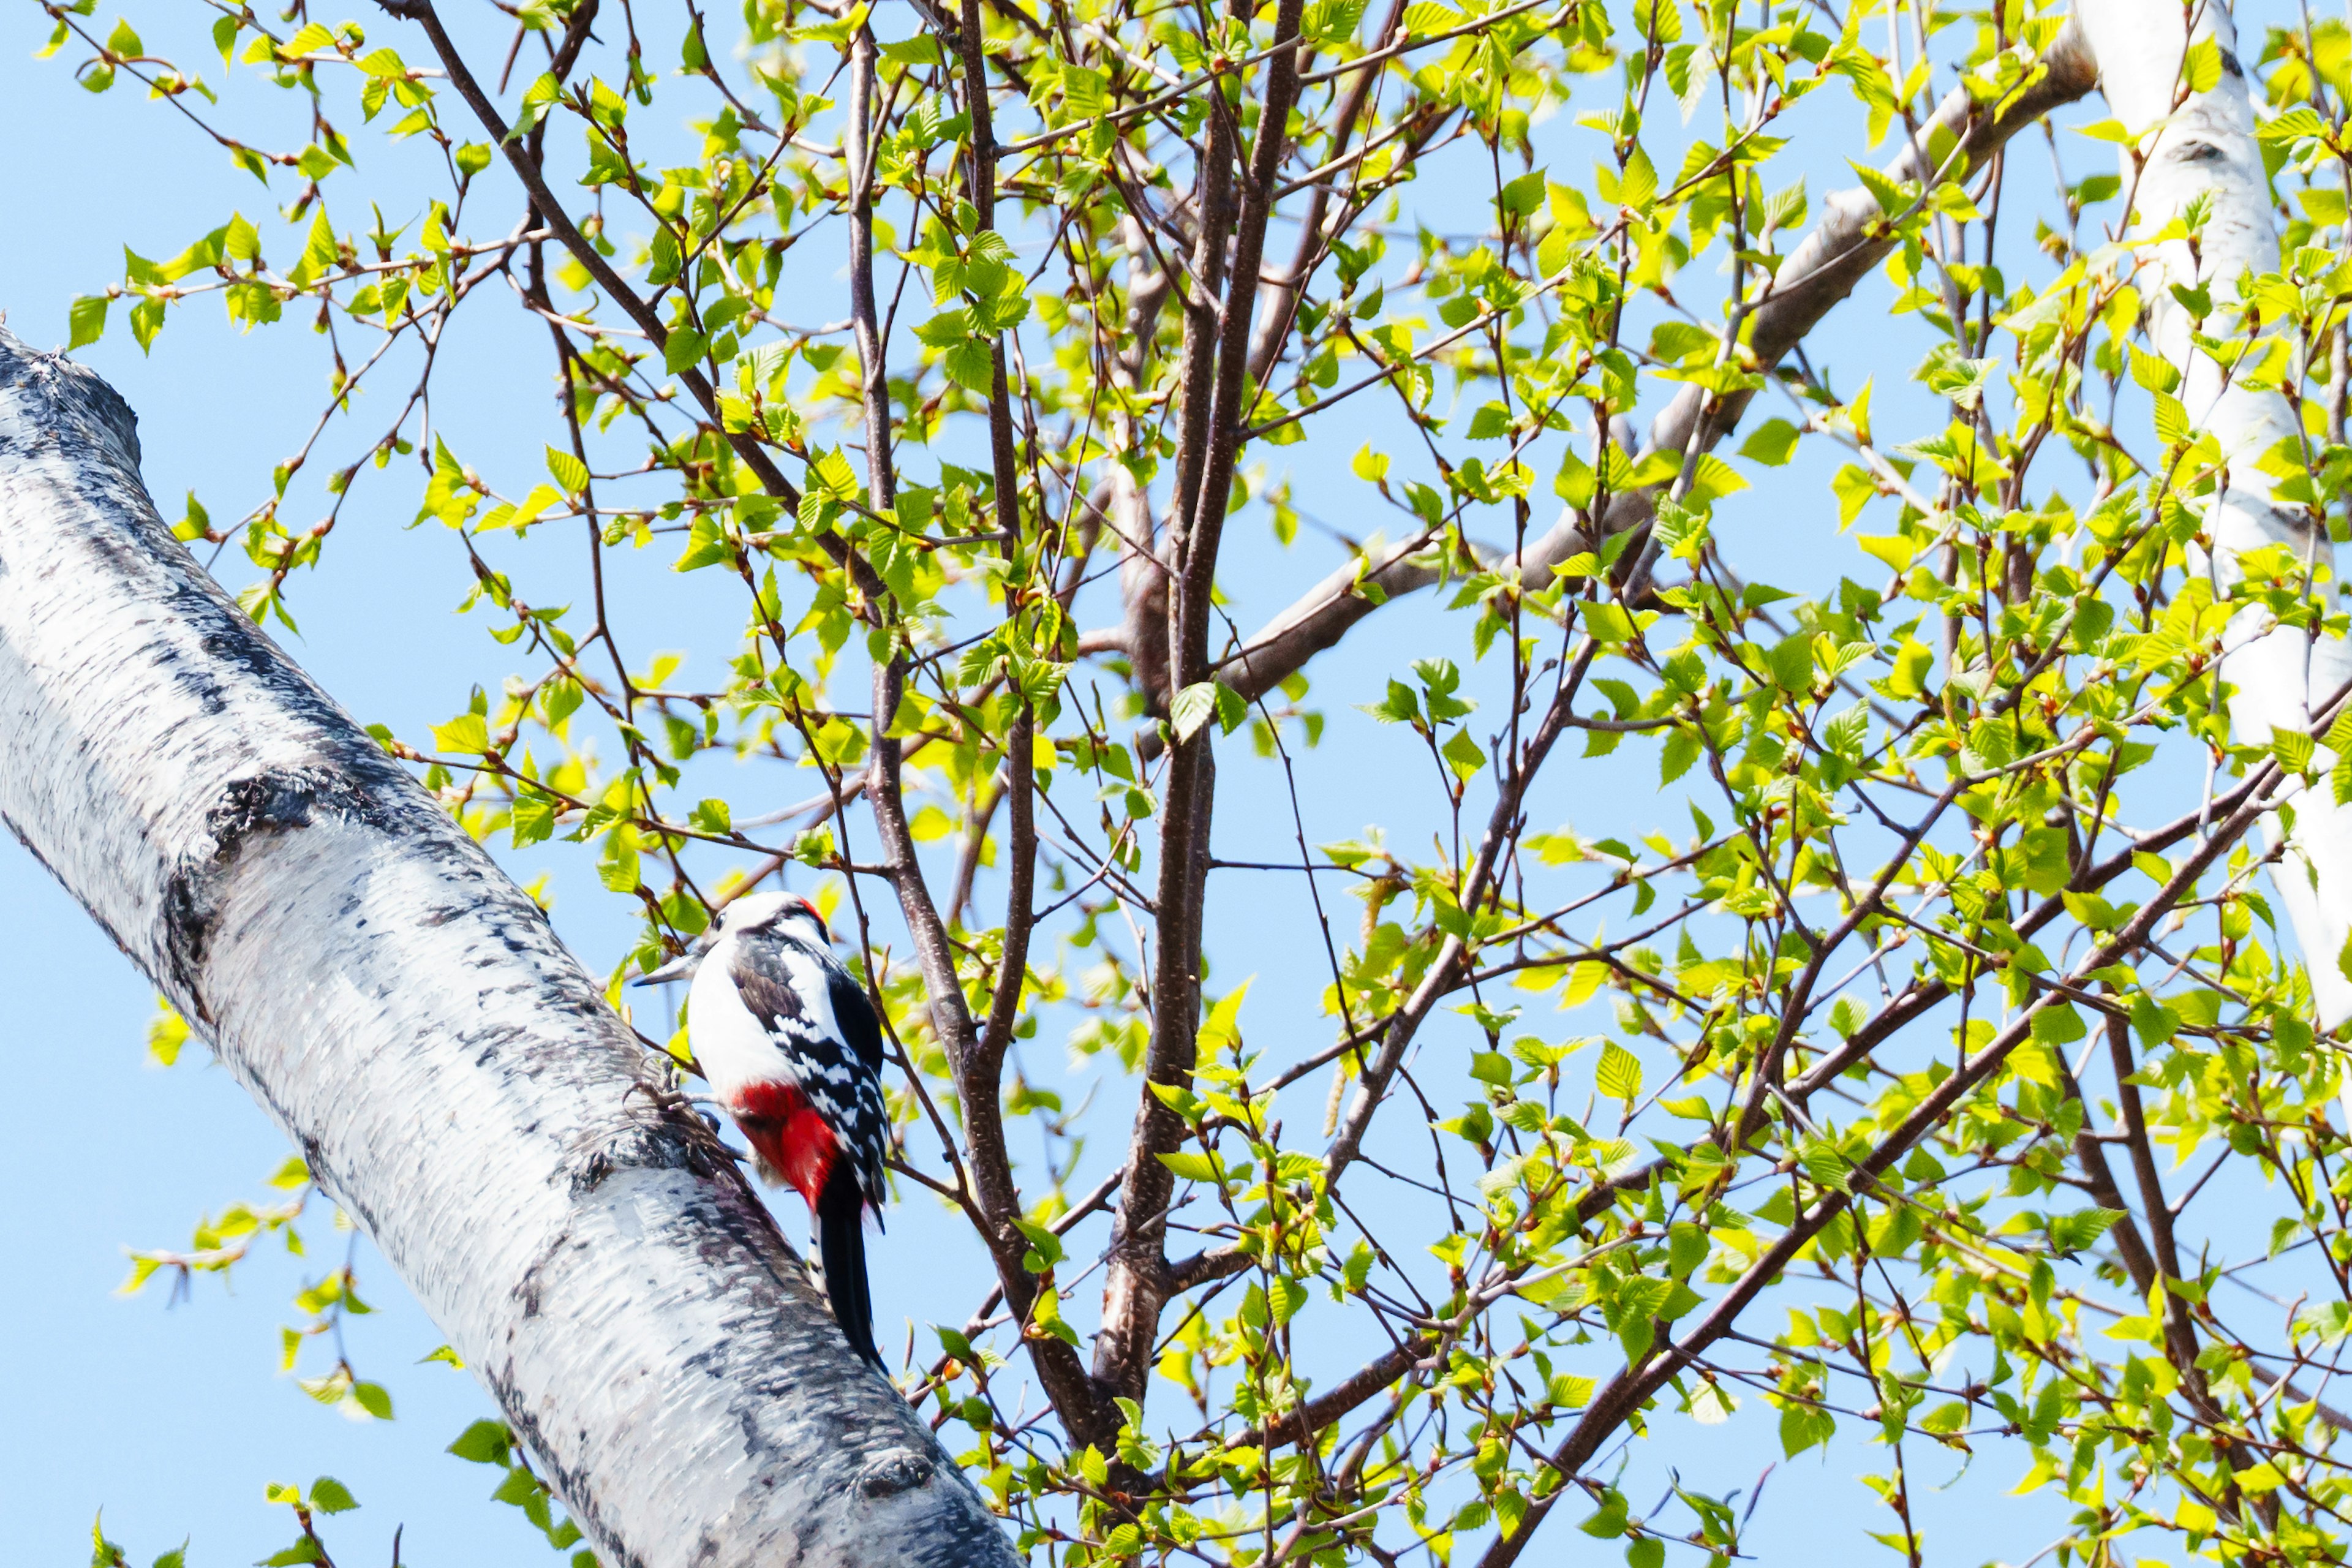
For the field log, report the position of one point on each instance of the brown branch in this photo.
(1215, 370)
(984, 814)
(1020, 915)
(1844, 248)
(996, 1196)
(1343, 1398)
(1502, 827)
(1632, 1387)
(881, 472)
(1915, 1001)
(982, 172)
(1278, 301)
(526, 168)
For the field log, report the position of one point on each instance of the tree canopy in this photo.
(1119, 439)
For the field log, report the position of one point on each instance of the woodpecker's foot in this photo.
(671, 1099)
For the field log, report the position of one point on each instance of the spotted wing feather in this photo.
(869, 1123)
(765, 983)
(838, 1061)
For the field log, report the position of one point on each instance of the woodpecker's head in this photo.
(784, 915)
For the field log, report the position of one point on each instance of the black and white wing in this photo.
(869, 1129)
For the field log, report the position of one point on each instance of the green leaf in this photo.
(972, 365)
(1607, 623)
(2069, 1234)
(542, 497)
(86, 318)
(1891, 198)
(2201, 71)
(684, 350)
(1462, 754)
(329, 1495)
(103, 1553)
(167, 1032)
(706, 545)
(1492, 1067)
(486, 1442)
(1083, 90)
(1045, 1247)
(567, 471)
(1619, 1076)
(467, 733)
(1524, 196)
(1771, 443)
(372, 1398)
(1792, 663)
(2058, 1024)
(1194, 1167)
(1192, 708)
(1641, 181)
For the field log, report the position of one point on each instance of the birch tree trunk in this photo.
(2206, 148)
(452, 1075)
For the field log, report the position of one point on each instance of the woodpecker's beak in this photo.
(679, 968)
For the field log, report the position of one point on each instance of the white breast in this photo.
(732, 1046)
(729, 1042)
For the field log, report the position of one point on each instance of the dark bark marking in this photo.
(280, 800)
(900, 1469)
(671, 1142)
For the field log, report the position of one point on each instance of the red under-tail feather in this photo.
(795, 1140)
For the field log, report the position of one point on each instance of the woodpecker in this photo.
(792, 1048)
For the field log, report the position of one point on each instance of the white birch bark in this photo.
(452, 1075)
(2207, 148)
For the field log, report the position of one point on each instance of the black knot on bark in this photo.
(900, 1470)
(277, 800)
(673, 1141)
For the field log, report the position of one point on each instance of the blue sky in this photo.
(171, 1416)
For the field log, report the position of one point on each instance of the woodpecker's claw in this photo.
(668, 1098)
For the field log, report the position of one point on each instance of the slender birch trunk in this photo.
(2206, 148)
(452, 1075)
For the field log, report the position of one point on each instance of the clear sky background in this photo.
(171, 1416)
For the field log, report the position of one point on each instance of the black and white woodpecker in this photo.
(791, 1048)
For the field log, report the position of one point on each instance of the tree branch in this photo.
(526, 169)
(1846, 246)
(1632, 1387)
(1215, 373)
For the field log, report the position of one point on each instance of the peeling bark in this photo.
(453, 1076)
(2206, 147)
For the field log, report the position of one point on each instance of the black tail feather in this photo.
(841, 1242)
